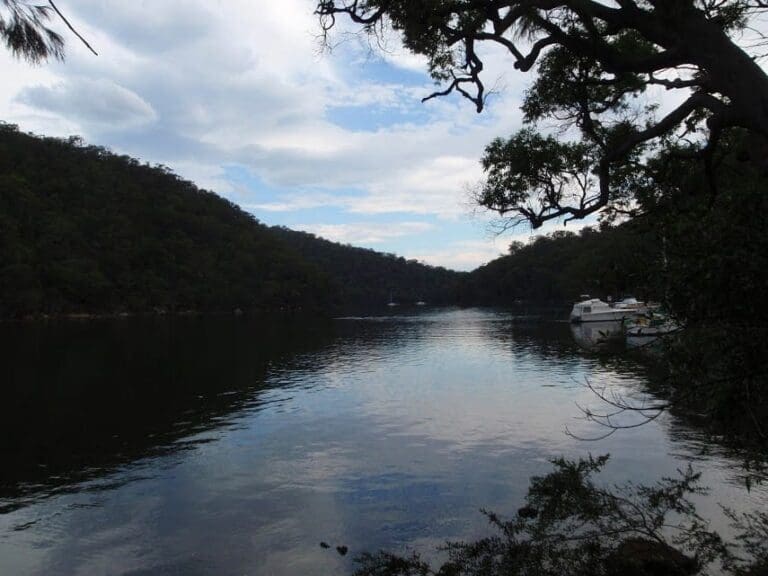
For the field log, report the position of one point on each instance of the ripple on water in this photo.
(232, 447)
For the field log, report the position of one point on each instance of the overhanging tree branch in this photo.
(593, 61)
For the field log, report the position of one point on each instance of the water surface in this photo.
(234, 446)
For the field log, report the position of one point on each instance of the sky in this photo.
(239, 97)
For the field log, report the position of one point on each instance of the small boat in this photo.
(421, 303)
(595, 310)
(647, 328)
(652, 331)
(391, 302)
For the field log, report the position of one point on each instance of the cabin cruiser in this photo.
(595, 310)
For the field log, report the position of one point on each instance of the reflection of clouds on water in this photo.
(369, 433)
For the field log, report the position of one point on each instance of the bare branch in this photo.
(75, 32)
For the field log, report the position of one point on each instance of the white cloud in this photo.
(465, 255)
(365, 232)
(99, 103)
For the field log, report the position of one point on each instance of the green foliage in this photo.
(83, 230)
(568, 84)
(571, 525)
(530, 170)
(712, 278)
(362, 277)
(558, 268)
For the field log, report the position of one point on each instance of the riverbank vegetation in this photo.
(571, 524)
(557, 268)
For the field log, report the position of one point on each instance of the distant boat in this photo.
(391, 302)
(595, 310)
(421, 303)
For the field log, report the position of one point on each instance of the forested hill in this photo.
(83, 230)
(363, 276)
(557, 268)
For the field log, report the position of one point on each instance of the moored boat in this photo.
(646, 329)
(595, 310)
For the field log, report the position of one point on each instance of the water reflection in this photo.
(597, 335)
(236, 446)
(80, 400)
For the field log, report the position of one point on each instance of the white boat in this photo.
(647, 329)
(595, 310)
(640, 331)
(421, 303)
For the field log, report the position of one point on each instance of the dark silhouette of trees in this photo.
(557, 268)
(594, 62)
(364, 277)
(572, 525)
(86, 231)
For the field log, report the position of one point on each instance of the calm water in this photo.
(235, 446)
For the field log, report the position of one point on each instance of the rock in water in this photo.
(641, 557)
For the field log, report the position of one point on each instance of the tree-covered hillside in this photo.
(557, 268)
(83, 230)
(363, 277)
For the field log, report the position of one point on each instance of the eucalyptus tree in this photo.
(595, 63)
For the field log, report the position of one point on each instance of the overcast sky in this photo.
(237, 96)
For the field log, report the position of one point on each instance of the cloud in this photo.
(425, 186)
(203, 86)
(465, 255)
(148, 27)
(102, 103)
(365, 232)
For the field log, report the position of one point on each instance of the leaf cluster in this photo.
(24, 30)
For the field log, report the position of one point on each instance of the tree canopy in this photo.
(595, 63)
(86, 231)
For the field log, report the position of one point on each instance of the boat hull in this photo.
(614, 315)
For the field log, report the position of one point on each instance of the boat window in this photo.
(586, 310)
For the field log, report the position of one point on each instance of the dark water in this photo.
(234, 446)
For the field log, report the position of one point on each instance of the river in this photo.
(235, 446)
